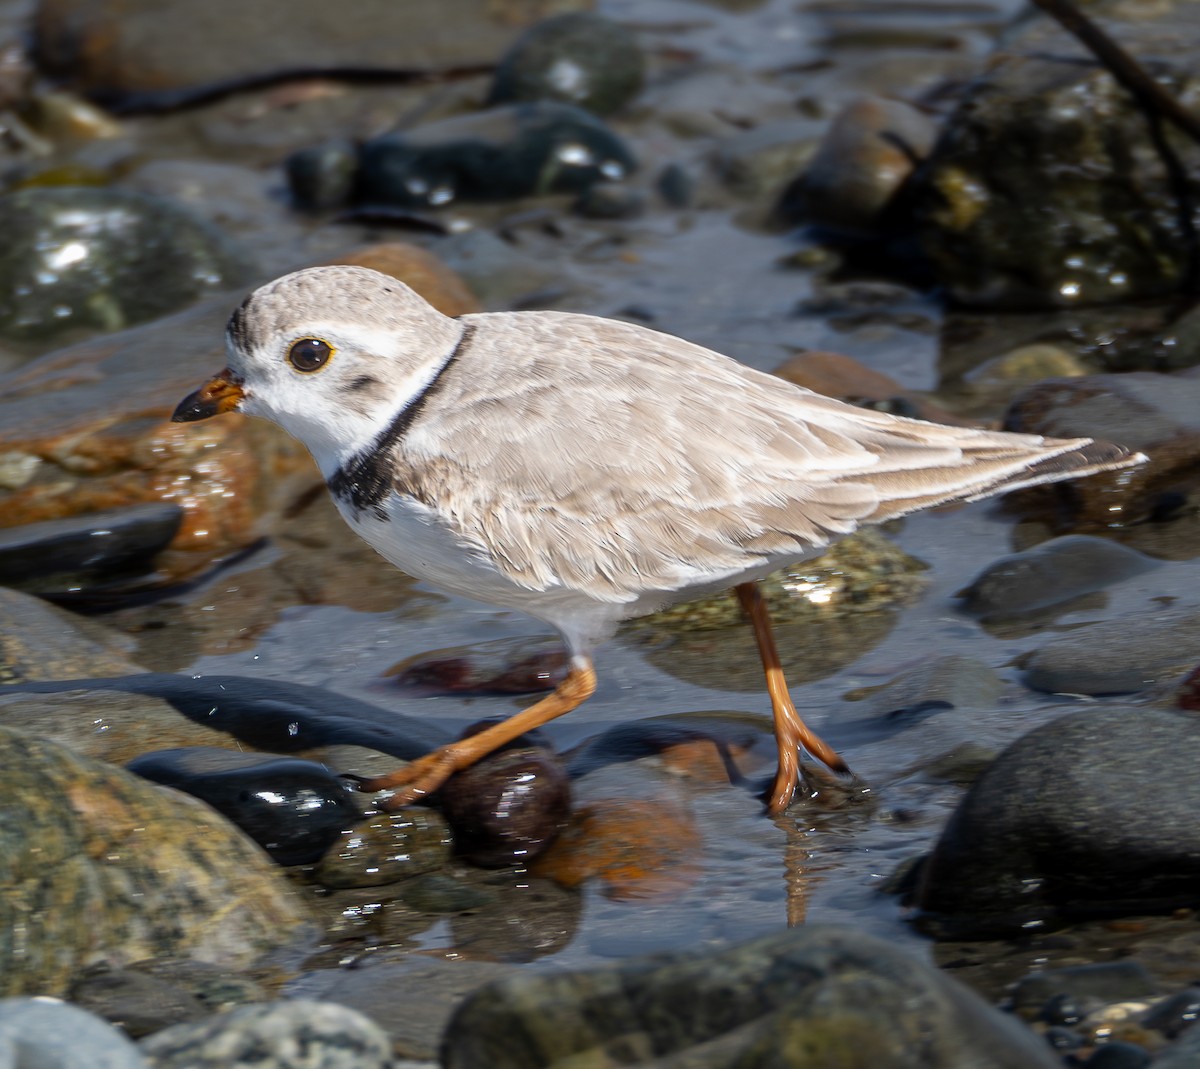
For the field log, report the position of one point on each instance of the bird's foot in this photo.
(414, 781)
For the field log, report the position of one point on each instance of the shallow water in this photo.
(704, 276)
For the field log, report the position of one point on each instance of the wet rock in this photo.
(609, 202)
(150, 54)
(108, 726)
(502, 666)
(526, 918)
(99, 554)
(510, 151)
(86, 259)
(845, 378)
(438, 893)
(1175, 1014)
(636, 848)
(85, 429)
(1046, 189)
(1127, 655)
(386, 848)
(1141, 410)
(756, 164)
(933, 685)
(1025, 365)
(41, 1033)
(867, 155)
(103, 866)
(1050, 574)
(371, 989)
(296, 1034)
(578, 58)
(850, 594)
(509, 807)
(38, 641)
(136, 1002)
(1102, 982)
(321, 178)
(1090, 815)
(293, 809)
(807, 996)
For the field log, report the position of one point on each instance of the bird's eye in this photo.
(309, 354)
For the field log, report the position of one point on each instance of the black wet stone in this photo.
(506, 152)
(293, 809)
(578, 58)
(86, 258)
(1092, 815)
(509, 807)
(73, 556)
(138, 1003)
(1050, 574)
(321, 178)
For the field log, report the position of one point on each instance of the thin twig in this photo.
(1122, 66)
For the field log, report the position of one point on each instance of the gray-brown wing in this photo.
(615, 460)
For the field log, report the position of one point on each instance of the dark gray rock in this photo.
(805, 997)
(1046, 189)
(103, 259)
(1127, 655)
(274, 1035)
(1091, 815)
(1050, 574)
(1175, 1014)
(511, 151)
(578, 58)
(953, 682)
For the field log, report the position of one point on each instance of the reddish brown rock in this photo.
(635, 847)
(1158, 414)
(845, 378)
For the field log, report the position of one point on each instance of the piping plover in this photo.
(584, 470)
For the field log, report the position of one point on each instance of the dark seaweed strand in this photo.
(365, 480)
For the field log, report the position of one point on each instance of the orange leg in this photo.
(426, 774)
(791, 733)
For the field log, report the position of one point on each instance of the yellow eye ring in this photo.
(309, 354)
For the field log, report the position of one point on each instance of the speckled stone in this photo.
(101, 866)
(297, 1034)
(811, 996)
